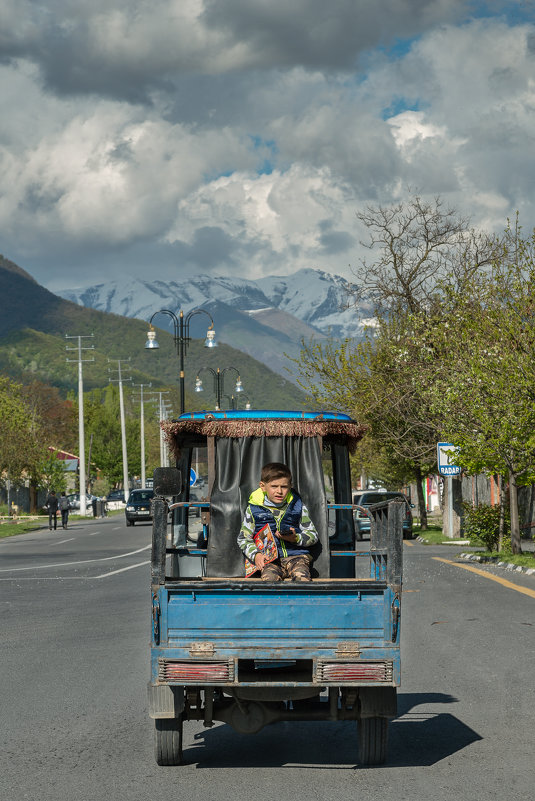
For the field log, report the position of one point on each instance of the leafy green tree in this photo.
(103, 422)
(20, 433)
(484, 369)
(55, 416)
(50, 473)
(380, 383)
(418, 248)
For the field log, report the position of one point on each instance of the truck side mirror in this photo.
(167, 481)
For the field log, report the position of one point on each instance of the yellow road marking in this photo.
(491, 576)
(410, 544)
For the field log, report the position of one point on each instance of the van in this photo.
(367, 498)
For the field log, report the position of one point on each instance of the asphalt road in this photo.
(74, 629)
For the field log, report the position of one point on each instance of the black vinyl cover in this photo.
(237, 473)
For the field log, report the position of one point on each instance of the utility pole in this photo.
(81, 436)
(120, 380)
(163, 409)
(142, 431)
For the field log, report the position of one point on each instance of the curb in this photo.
(446, 542)
(493, 560)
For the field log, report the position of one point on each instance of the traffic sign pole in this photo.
(446, 451)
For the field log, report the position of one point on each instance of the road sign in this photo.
(192, 476)
(446, 453)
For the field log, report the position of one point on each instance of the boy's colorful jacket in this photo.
(292, 513)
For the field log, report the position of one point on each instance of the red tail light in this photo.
(198, 672)
(347, 672)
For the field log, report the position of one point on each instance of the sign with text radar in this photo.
(446, 457)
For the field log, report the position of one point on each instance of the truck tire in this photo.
(168, 741)
(372, 738)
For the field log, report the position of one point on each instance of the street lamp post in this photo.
(247, 401)
(219, 382)
(182, 339)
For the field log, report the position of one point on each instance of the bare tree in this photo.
(421, 246)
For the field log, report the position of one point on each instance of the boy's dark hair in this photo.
(274, 470)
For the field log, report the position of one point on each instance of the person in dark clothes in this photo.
(64, 507)
(52, 503)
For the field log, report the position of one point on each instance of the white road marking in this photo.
(62, 541)
(122, 570)
(72, 564)
(79, 578)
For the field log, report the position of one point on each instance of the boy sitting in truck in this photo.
(275, 503)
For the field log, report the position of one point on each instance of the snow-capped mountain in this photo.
(266, 318)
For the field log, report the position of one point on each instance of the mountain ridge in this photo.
(34, 323)
(307, 305)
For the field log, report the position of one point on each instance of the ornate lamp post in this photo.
(219, 382)
(182, 339)
(246, 400)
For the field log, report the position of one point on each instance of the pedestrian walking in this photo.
(52, 503)
(64, 507)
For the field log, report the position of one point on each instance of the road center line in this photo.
(122, 570)
(502, 581)
(62, 541)
(71, 564)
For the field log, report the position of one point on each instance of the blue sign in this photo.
(192, 476)
(446, 454)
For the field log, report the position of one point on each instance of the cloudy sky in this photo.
(241, 137)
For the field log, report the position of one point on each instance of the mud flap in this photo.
(378, 702)
(165, 701)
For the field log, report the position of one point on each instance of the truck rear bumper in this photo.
(375, 668)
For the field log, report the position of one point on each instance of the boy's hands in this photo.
(287, 536)
(260, 560)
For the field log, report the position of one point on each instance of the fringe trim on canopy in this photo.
(351, 433)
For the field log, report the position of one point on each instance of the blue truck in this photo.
(249, 652)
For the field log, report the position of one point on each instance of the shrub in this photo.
(482, 523)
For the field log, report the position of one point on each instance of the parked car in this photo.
(195, 496)
(74, 501)
(115, 495)
(368, 498)
(138, 506)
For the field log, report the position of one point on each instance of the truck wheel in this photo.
(372, 737)
(168, 741)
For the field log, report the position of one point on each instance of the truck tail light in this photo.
(183, 671)
(354, 672)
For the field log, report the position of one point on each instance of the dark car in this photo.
(368, 498)
(116, 495)
(195, 496)
(138, 506)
